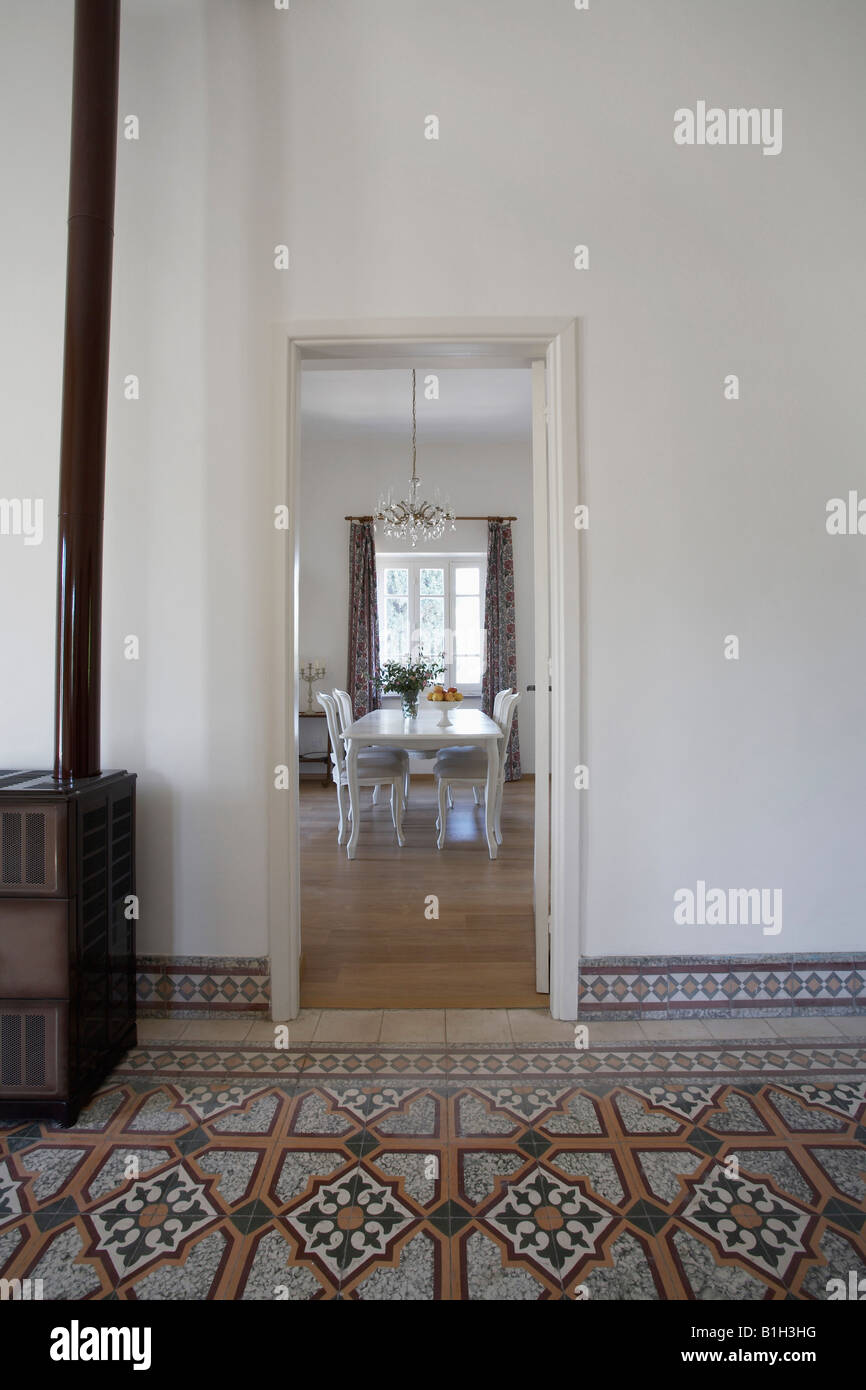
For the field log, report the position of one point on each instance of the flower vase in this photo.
(410, 706)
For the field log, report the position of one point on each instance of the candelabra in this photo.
(312, 672)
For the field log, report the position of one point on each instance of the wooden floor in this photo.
(366, 940)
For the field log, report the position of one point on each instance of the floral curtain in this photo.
(501, 666)
(363, 665)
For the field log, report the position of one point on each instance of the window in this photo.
(434, 605)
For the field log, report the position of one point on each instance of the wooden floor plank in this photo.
(366, 940)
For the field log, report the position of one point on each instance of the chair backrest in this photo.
(344, 708)
(505, 721)
(499, 699)
(329, 705)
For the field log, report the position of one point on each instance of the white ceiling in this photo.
(476, 402)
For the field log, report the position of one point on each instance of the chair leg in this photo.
(475, 796)
(397, 809)
(341, 833)
(406, 784)
(443, 811)
(450, 798)
(376, 794)
(497, 823)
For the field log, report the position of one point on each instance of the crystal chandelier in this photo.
(411, 519)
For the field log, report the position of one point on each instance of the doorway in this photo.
(416, 926)
(552, 346)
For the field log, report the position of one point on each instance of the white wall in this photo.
(344, 470)
(707, 517)
(188, 498)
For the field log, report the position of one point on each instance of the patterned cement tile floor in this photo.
(666, 1169)
(492, 1026)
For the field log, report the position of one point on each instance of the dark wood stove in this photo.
(67, 938)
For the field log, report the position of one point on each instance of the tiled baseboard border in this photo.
(622, 987)
(189, 986)
(779, 986)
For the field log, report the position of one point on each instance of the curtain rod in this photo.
(457, 518)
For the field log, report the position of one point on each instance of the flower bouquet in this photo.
(408, 680)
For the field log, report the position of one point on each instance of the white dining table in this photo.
(466, 727)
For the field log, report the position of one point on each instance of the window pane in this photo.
(432, 626)
(467, 613)
(432, 581)
(468, 669)
(396, 581)
(467, 579)
(395, 632)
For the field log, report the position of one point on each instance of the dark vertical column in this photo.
(85, 387)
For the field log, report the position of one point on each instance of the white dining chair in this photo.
(467, 767)
(347, 717)
(478, 788)
(376, 767)
(344, 708)
(477, 794)
(499, 699)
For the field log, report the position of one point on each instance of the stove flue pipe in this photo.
(92, 170)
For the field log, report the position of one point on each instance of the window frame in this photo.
(449, 561)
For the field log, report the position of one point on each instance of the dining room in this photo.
(417, 601)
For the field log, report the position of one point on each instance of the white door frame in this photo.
(555, 340)
(541, 663)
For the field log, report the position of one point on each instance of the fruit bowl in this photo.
(440, 695)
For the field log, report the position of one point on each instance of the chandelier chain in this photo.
(414, 425)
(410, 518)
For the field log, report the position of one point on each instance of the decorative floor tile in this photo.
(270, 1272)
(631, 1274)
(580, 1116)
(687, 1102)
(844, 1167)
(721, 1169)
(483, 1172)
(316, 1114)
(736, 1115)
(234, 1169)
(299, 1166)
(663, 1171)
(10, 1202)
(600, 1169)
(636, 1117)
(548, 1223)
(153, 1218)
(117, 1165)
(418, 1174)
(416, 1275)
(485, 1275)
(194, 1278)
(702, 1277)
(804, 1119)
(349, 1222)
(779, 1165)
(750, 1220)
(846, 1098)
